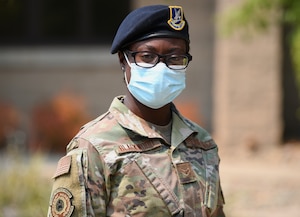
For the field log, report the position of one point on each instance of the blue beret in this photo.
(154, 21)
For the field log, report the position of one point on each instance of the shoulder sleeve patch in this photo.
(63, 166)
(61, 204)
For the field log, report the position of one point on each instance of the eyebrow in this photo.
(170, 50)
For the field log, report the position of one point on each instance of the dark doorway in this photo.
(291, 98)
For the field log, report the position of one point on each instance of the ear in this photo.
(122, 60)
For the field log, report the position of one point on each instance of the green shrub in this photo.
(25, 186)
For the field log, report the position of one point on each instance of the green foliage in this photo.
(253, 16)
(291, 12)
(25, 190)
(296, 50)
(291, 16)
(250, 16)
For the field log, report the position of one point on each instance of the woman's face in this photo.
(162, 46)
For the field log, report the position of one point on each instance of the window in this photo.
(60, 22)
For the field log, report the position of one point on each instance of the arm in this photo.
(79, 184)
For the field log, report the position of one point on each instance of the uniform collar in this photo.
(181, 128)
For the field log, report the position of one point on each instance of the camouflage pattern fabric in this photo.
(118, 165)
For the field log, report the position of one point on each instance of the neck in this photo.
(161, 116)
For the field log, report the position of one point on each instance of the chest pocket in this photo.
(192, 191)
(160, 173)
(148, 175)
(203, 160)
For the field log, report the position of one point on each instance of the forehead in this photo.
(160, 44)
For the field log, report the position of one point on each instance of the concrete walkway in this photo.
(263, 184)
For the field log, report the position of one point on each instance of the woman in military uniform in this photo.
(143, 158)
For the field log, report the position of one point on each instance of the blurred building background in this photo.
(56, 73)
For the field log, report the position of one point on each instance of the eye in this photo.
(177, 60)
(146, 57)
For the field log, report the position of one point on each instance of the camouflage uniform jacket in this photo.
(118, 165)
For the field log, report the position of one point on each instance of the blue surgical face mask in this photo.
(156, 86)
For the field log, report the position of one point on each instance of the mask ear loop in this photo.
(126, 58)
(125, 76)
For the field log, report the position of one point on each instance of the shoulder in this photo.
(201, 138)
(99, 124)
(201, 133)
(104, 127)
(100, 136)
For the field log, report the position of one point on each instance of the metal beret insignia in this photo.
(176, 18)
(61, 204)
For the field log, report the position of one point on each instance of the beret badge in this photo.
(176, 18)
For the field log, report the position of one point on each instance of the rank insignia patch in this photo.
(61, 205)
(176, 18)
(185, 172)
